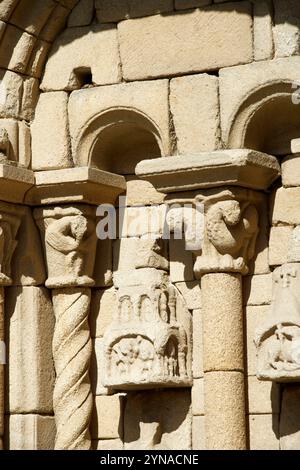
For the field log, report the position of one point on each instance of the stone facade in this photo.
(173, 127)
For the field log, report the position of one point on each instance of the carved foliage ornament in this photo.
(278, 338)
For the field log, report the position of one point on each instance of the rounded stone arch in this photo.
(117, 139)
(267, 120)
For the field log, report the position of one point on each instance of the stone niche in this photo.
(278, 338)
(148, 343)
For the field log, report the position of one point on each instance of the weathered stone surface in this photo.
(263, 397)
(286, 206)
(104, 263)
(198, 432)
(107, 420)
(293, 255)
(149, 99)
(82, 14)
(158, 420)
(225, 45)
(184, 4)
(191, 293)
(198, 397)
(258, 289)
(32, 19)
(255, 315)
(290, 418)
(30, 98)
(194, 104)
(11, 89)
(79, 52)
(140, 192)
(291, 170)
(9, 139)
(31, 432)
(6, 8)
(107, 444)
(263, 430)
(24, 144)
(197, 344)
(181, 261)
(112, 11)
(97, 369)
(238, 167)
(279, 242)
(29, 339)
(50, 131)
(222, 333)
(286, 28)
(142, 221)
(262, 29)
(238, 83)
(103, 307)
(16, 47)
(224, 408)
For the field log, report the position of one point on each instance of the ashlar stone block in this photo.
(83, 56)
(50, 131)
(225, 31)
(194, 104)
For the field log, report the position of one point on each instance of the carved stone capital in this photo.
(231, 228)
(69, 235)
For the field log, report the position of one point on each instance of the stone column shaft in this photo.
(223, 361)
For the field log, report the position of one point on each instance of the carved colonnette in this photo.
(10, 220)
(228, 184)
(70, 241)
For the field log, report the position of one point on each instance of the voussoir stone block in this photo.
(206, 39)
(194, 104)
(80, 51)
(112, 11)
(82, 14)
(11, 92)
(50, 139)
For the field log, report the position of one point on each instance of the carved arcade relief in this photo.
(146, 345)
(278, 338)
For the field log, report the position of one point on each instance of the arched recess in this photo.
(268, 120)
(116, 140)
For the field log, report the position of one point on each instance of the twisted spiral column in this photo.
(72, 349)
(70, 247)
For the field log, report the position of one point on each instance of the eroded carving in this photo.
(4, 145)
(278, 338)
(231, 229)
(70, 240)
(146, 345)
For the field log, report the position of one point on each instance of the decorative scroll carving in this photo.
(70, 245)
(230, 235)
(278, 338)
